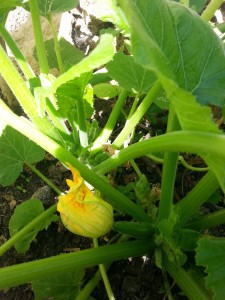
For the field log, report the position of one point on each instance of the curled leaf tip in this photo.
(82, 212)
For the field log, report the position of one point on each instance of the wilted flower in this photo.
(82, 212)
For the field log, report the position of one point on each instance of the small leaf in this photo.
(15, 150)
(70, 54)
(72, 91)
(62, 287)
(108, 11)
(106, 91)
(130, 75)
(47, 7)
(23, 215)
(210, 253)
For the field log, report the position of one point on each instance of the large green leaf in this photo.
(178, 44)
(23, 214)
(152, 49)
(62, 287)
(130, 75)
(15, 150)
(210, 253)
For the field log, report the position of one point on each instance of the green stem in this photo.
(28, 228)
(186, 165)
(104, 275)
(45, 179)
(57, 47)
(188, 285)
(22, 62)
(89, 287)
(169, 172)
(214, 219)
(82, 126)
(190, 204)
(40, 45)
(136, 169)
(117, 199)
(159, 160)
(210, 10)
(136, 117)
(49, 267)
(24, 96)
(180, 141)
(108, 129)
(134, 106)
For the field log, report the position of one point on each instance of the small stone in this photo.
(12, 204)
(44, 194)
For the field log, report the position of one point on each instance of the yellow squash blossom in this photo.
(82, 212)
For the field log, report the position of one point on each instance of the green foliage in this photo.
(47, 7)
(70, 54)
(130, 75)
(108, 11)
(15, 150)
(106, 90)
(23, 215)
(210, 254)
(196, 65)
(65, 286)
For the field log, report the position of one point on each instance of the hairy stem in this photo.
(210, 10)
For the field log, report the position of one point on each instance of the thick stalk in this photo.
(210, 10)
(40, 45)
(82, 125)
(169, 171)
(108, 129)
(28, 228)
(117, 199)
(190, 204)
(181, 141)
(214, 219)
(189, 286)
(24, 96)
(49, 267)
(21, 60)
(141, 110)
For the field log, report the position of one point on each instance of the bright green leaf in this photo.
(106, 90)
(197, 65)
(15, 150)
(210, 253)
(47, 7)
(130, 75)
(23, 214)
(102, 54)
(72, 91)
(108, 11)
(62, 287)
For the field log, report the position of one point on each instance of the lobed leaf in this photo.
(210, 254)
(23, 214)
(130, 75)
(15, 150)
(65, 286)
